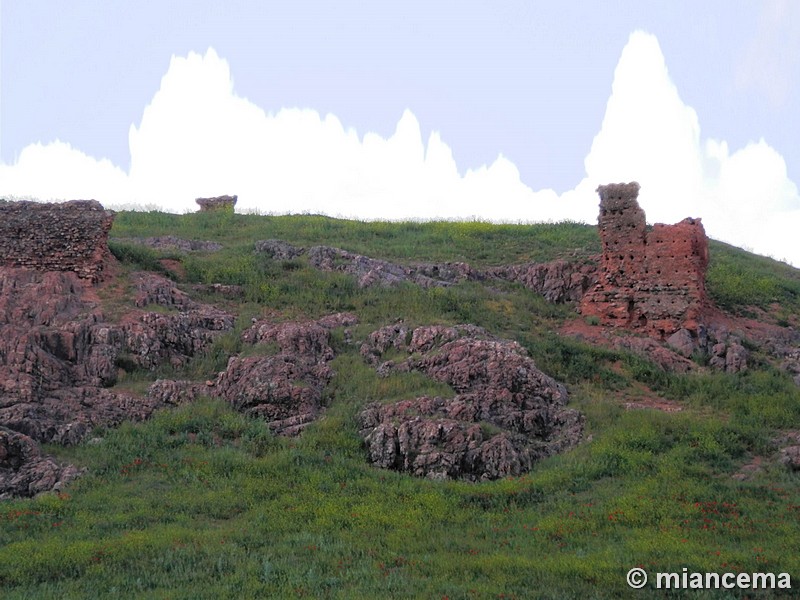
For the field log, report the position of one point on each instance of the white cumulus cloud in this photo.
(649, 135)
(198, 138)
(57, 170)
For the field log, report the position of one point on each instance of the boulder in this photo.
(682, 342)
(25, 471)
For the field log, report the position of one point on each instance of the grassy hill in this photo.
(202, 502)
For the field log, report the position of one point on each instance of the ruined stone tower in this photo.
(650, 280)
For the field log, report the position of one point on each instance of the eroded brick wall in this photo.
(653, 281)
(68, 236)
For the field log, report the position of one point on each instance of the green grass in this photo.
(203, 502)
(738, 280)
(476, 242)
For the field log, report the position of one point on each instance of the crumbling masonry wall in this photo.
(653, 281)
(69, 236)
(217, 203)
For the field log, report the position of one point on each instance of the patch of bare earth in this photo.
(175, 267)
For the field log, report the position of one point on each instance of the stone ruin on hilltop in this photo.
(68, 236)
(651, 280)
(217, 203)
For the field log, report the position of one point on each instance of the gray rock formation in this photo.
(505, 416)
(24, 471)
(281, 382)
(558, 281)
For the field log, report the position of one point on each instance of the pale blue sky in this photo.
(526, 79)
(506, 111)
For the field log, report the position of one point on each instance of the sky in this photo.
(510, 111)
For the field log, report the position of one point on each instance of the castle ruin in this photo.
(68, 236)
(651, 279)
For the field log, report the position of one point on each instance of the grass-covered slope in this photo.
(201, 502)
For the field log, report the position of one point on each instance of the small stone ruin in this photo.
(217, 203)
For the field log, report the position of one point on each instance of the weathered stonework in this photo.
(68, 236)
(217, 203)
(650, 280)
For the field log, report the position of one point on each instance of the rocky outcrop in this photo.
(69, 236)
(278, 249)
(55, 339)
(152, 289)
(367, 271)
(558, 281)
(173, 392)
(170, 242)
(681, 353)
(67, 416)
(650, 281)
(280, 380)
(24, 471)
(283, 384)
(725, 352)
(791, 364)
(58, 355)
(506, 414)
(47, 326)
(150, 339)
(653, 350)
(729, 355)
(789, 450)
(217, 203)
